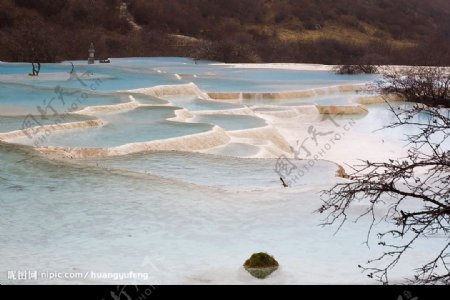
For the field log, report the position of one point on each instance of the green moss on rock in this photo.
(261, 265)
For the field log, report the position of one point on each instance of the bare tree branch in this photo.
(413, 193)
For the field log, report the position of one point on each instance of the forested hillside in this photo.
(314, 31)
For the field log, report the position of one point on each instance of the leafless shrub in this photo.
(413, 193)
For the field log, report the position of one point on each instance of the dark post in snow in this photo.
(91, 51)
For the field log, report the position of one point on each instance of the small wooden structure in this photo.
(91, 58)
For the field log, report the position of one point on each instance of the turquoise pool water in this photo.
(17, 122)
(232, 122)
(193, 103)
(24, 99)
(139, 125)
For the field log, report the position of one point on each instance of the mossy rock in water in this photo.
(261, 265)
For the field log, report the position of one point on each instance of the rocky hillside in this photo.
(319, 31)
